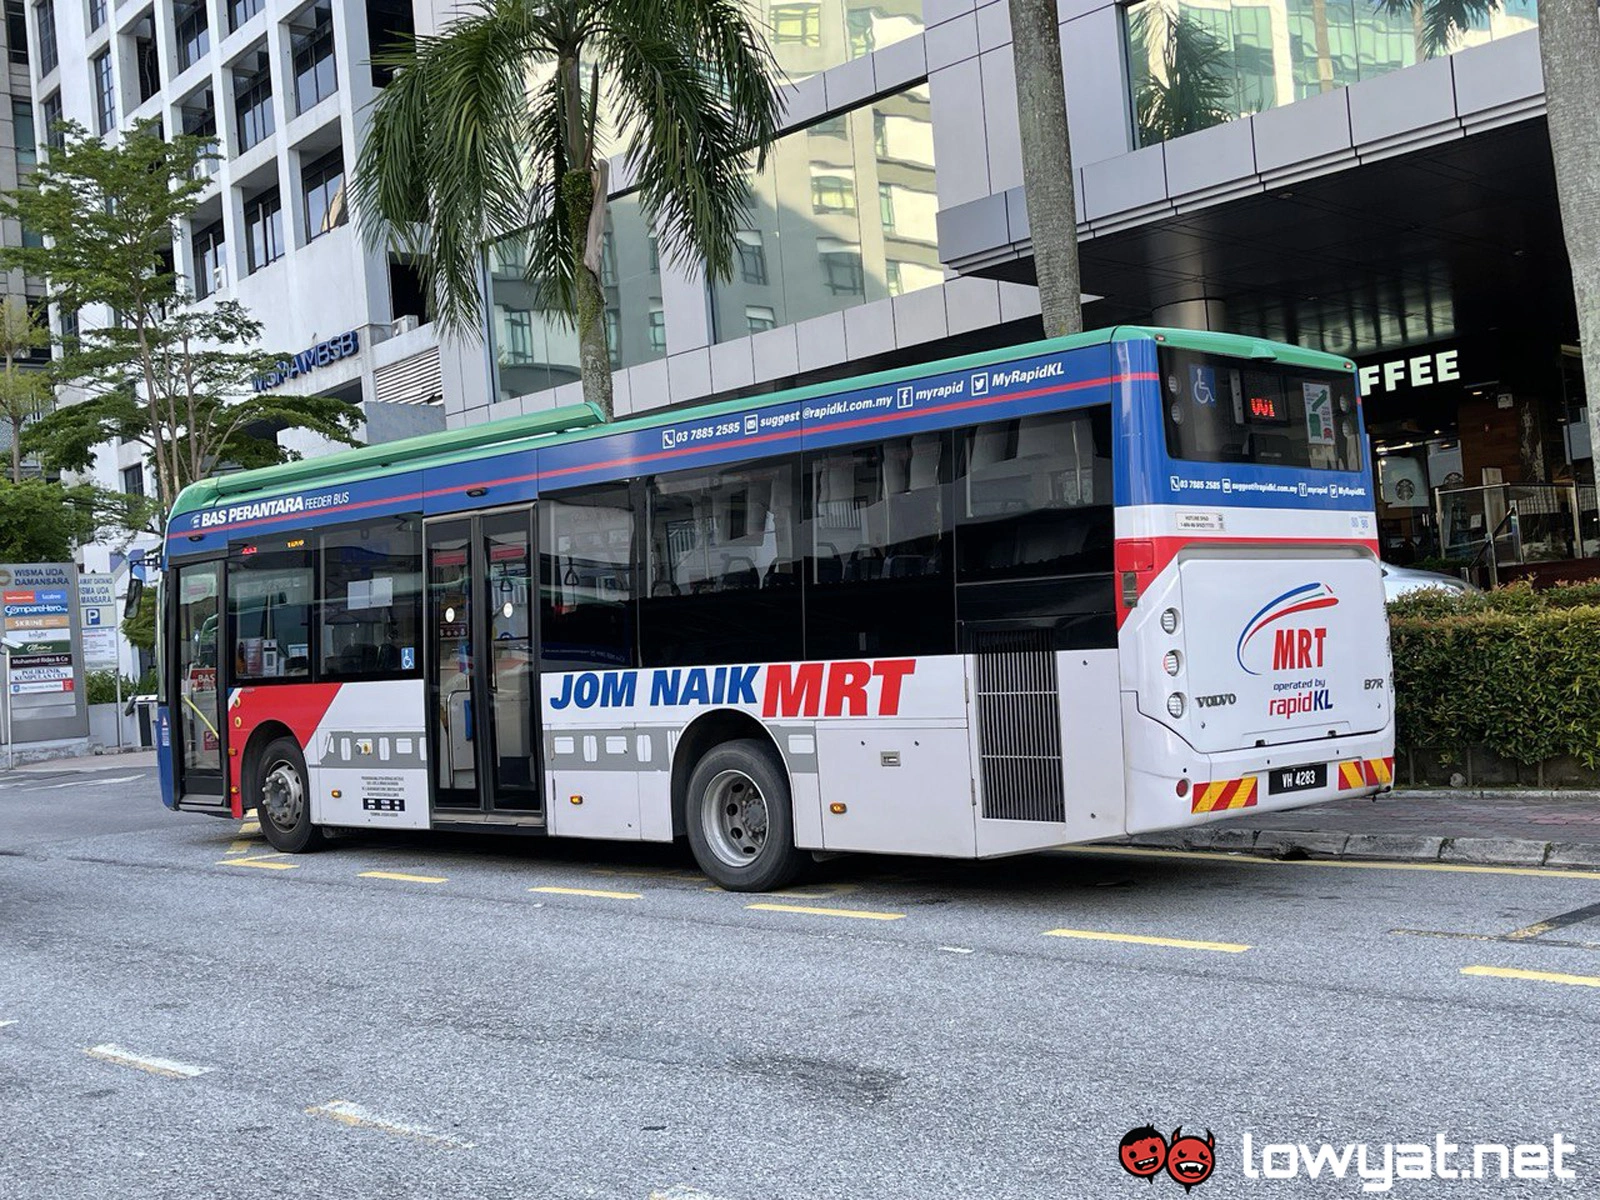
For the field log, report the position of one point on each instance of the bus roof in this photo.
(582, 421)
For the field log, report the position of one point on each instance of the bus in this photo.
(1058, 593)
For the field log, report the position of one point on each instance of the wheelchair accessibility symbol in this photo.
(1203, 384)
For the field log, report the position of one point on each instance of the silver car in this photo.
(1398, 581)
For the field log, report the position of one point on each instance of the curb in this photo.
(1377, 847)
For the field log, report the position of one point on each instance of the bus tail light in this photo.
(1136, 559)
(1177, 703)
(1169, 620)
(1172, 662)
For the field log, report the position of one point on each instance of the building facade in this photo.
(1360, 176)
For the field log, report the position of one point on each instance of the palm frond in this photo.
(442, 168)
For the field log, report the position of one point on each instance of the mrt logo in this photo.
(1293, 647)
(1296, 649)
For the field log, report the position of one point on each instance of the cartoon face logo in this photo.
(1189, 1159)
(1143, 1152)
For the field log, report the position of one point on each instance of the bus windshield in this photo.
(1230, 410)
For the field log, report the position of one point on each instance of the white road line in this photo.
(956, 949)
(169, 1068)
(3, 1024)
(682, 1191)
(53, 787)
(356, 1117)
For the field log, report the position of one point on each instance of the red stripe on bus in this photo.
(1133, 377)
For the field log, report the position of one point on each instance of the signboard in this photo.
(39, 621)
(345, 345)
(99, 647)
(97, 601)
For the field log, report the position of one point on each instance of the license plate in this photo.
(1297, 779)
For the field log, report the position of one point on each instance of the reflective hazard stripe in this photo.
(1365, 773)
(1223, 794)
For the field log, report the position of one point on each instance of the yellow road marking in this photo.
(356, 1117)
(1361, 865)
(1139, 939)
(604, 895)
(1536, 976)
(165, 1067)
(859, 914)
(267, 862)
(402, 877)
(242, 846)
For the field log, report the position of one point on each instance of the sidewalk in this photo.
(1512, 828)
(129, 759)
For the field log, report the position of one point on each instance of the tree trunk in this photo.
(1047, 163)
(594, 356)
(1569, 51)
(1319, 21)
(16, 450)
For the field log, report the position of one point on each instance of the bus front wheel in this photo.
(740, 820)
(284, 799)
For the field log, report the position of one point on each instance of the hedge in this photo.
(1513, 671)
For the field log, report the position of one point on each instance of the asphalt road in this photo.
(184, 1013)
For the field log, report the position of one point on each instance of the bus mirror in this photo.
(130, 605)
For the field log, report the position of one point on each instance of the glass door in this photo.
(482, 679)
(197, 713)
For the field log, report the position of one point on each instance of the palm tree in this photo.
(497, 126)
(1569, 53)
(24, 392)
(1192, 89)
(1047, 163)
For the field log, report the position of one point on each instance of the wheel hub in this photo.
(282, 795)
(735, 818)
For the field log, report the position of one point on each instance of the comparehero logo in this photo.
(1298, 640)
(1187, 1159)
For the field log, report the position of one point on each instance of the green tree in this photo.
(25, 392)
(1191, 90)
(496, 126)
(43, 522)
(165, 372)
(1047, 174)
(1435, 24)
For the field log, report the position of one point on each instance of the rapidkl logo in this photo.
(1188, 1159)
(1295, 647)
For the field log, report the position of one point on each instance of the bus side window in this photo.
(587, 567)
(723, 556)
(880, 578)
(269, 611)
(371, 603)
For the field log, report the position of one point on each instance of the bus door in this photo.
(482, 684)
(198, 728)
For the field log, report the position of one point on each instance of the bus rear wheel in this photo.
(283, 798)
(740, 819)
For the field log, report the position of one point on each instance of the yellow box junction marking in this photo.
(402, 877)
(858, 914)
(596, 892)
(165, 1067)
(1535, 976)
(1139, 939)
(356, 1117)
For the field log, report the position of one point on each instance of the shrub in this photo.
(100, 687)
(1514, 671)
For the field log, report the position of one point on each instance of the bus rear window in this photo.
(1229, 410)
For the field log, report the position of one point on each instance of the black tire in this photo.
(285, 810)
(745, 775)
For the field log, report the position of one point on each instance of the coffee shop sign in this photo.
(1413, 370)
(323, 354)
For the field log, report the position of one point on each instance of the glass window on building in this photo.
(322, 187)
(315, 78)
(193, 30)
(240, 11)
(50, 112)
(808, 36)
(814, 242)
(105, 93)
(1198, 63)
(210, 260)
(17, 32)
(97, 14)
(263, 223)
(22, 132)
(197, 117)
(49, 52)
(252, 99)
(133, 481)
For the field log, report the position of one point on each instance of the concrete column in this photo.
(1193, 314)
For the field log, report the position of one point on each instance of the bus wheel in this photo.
(283, 798)
(740, 819)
